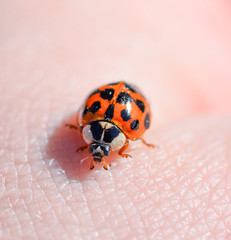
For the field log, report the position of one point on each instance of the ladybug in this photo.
(111, 116)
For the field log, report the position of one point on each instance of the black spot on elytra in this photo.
(147, 121)
(140, 105)
(125, 115)
(130, 87)
(96, 130)
(108, 115)
(124, 98)
(107, 94)
(110, 134)
(85, 111)
(135, 125)
(94, 92)
(95, 107)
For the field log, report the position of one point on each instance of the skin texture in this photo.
(52, 54)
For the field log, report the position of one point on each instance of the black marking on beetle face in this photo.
(95, 107)
(94, 92)
(85, 111)
(147, 121)
(96, 130)
(93, 147)
(108, 115)
(124, 98)
(97, 159)
(110, 134)
(135, 125)
(97, 155)
(140, 105)
(107, 94)
(106, 149)
(130, 87)
(125, 115)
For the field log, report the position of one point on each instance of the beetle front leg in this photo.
(123, 149)
(82, 148)
(71, 126)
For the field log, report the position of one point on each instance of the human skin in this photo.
(51, 55)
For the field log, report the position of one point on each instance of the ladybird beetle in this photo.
(111, 116)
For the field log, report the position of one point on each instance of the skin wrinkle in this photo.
(142, 218)
(50, 210)
(118, 201)
(9, 216)
(77, 221)
(4, 136)
(25, 121)
(58, 217)
(169, 222)
(77, 210)
(199, 169)
(47, 198)
(39, 203)
(221, 221)
(215, 185)
(27, 210)
(211, 229)
(50, 174)
(122, 223)
(138, 215)
(10, 200)
(136, 209)
(171, 187)
(179, 214)
(12, 213)
(56, 214)
(77, 217)
(2, 187)
(119, 204)
(128, 186)
(89, 212)
(107, 204)
(129, 205)
(216, 211)
(189, 208)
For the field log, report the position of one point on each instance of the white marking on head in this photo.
(98, 149)
(118, 142)
(87, 135)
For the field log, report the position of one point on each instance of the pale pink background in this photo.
(52, 53)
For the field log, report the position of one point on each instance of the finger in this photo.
(149, 195)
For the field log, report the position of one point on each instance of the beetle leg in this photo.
(123, 149)
(108, 162)
(147, 144)
(71, 126)
(104, 165)
(92, 164)
(82, 148)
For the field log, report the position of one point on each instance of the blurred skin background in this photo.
(52, 54)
